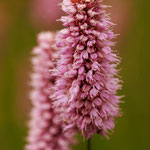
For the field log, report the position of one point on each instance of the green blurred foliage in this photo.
(132, 130)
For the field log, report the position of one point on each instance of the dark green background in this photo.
(132, 130)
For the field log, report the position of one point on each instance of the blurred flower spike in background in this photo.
(46, 127)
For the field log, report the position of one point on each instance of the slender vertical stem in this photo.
(89, 144)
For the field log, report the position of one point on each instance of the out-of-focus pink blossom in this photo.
(45, 12)
(88, 80)
(46, 128)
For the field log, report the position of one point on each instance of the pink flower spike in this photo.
(46, 126)
(89, 78)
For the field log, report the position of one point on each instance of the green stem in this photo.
(89, 144)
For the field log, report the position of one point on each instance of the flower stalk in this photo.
(89, 144)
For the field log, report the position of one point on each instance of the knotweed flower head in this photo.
(46, 128)
(88, 79)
